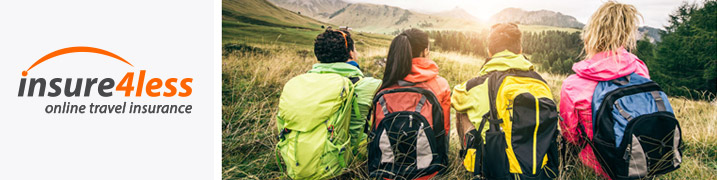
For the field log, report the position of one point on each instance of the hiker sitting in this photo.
(322, 114)
(411, 116)
(513, 111)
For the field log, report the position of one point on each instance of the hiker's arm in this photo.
(365, 90)
(463, 125)
(446, 105)
(461, 103)
(569, 124)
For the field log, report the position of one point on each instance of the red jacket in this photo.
(424, 73)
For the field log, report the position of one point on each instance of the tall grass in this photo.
(253, 78)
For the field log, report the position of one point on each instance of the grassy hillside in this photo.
(252, 85)
(261, 12)
(260, 22)
(265, 46)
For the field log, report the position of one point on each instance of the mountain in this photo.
(317, 9)
(260, 22)
(378, 18)
(541, 17)
(653, 34)
(261, 12)
(389, 19)
(457, 13)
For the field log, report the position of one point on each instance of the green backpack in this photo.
(313, 122)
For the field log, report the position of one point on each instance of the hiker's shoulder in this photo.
(369, 81)
(442, 81)
(368, 84)
(578, 88)
(475, 82)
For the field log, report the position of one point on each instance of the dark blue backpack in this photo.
(635, 132)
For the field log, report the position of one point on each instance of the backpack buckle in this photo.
(331, 130)
(282, 133)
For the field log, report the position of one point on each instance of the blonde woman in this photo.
(610, 32)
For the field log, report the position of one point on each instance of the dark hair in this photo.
(331, 46)
(504, 36)
(404, 47)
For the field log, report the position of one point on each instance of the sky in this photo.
(655, 12)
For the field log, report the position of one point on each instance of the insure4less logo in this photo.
(75, 87)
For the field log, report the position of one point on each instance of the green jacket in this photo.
(365, 89)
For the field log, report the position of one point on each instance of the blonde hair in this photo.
(612, 26)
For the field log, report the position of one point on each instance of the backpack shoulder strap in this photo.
(476, 81)
(405, 83)
(355, 79)
(494, 82)
(622, 81)
(478, 142)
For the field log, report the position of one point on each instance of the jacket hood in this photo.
(606, 65)
(422, 70)
(341, 68)
(505, 60)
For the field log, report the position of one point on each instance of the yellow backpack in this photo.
(521, 142)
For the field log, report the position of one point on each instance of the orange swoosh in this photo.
(74, 50)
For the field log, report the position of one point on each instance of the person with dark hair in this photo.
(412, 96)
(506, 117)
(504, 47)
(505, 37)
(408, 63)
(335, 51)
(328, 47)
(322, 113)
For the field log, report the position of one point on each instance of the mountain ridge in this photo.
(376, 18)
(456, 12)
(317, 9)
(539, 17)
(387, 19)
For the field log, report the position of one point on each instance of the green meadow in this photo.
(264, 47)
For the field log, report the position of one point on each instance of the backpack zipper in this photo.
(343, 89)
(535, 133)
(296, 144)
(419, 129)
(410, 121)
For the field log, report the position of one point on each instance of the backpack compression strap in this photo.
(478, 143)
(430, 97)
(491, 116)
(420, 104)
(587, 141)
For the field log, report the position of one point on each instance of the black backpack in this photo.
(635, 133)
(402, 143)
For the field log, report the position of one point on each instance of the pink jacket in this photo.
(577, 93)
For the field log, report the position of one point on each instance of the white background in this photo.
(169, 39)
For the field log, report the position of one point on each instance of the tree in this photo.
(555, 51)
(645, 50)
(686, 60)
